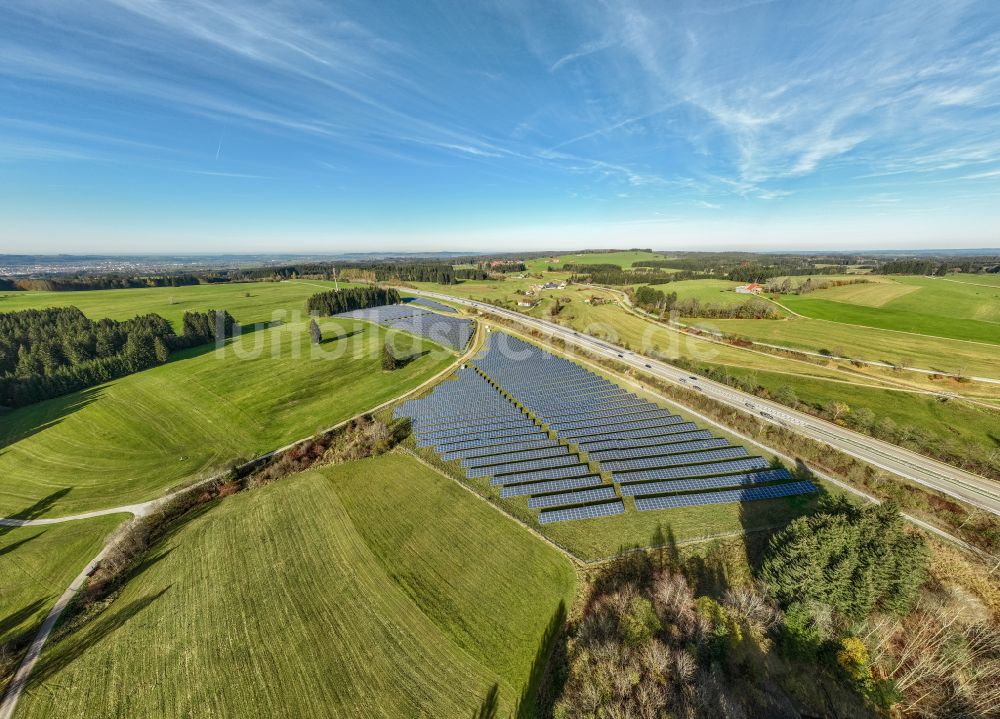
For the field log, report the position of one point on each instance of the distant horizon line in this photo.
(478, 253)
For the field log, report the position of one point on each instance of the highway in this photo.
(967, 487)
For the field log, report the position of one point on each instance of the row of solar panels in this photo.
(492, 438)
(650, 453)
(430, 304)
(450, 332)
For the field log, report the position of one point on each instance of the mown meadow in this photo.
(372, 588)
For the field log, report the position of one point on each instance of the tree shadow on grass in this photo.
(491, 703)
(37, 509)
(14, 546)
(664, 543)
(12, 620)
(336, 338)
(548, 670)
(407, 359)
(74, 643)
(23, 422)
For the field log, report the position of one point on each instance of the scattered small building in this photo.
(752, 289)
(525, 303)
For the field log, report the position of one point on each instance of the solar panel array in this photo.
(647, 450)
(553, 485)
(452, 332)
(641, 489)
(583, 496)
(494, 420)
(430, 304)
(729, 495)
(590, 511)
(470, 421)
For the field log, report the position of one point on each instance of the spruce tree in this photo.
(388, 357)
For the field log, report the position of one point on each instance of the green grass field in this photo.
(38, 563)
(623, 259)
(711, 292)
(247, 302)
(867, 343)
(133, 438)
(371, 589)
(920, 305)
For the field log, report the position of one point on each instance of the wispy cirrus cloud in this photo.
(743, 105)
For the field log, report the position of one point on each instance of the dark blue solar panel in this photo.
(640, 489)
(484, 440)
(574, 470)
(500, 469)
(551, 485)
(700, 470)
(612, 419)
(711, 455)
(591, 511)
(728, 495)
(626, 442)
(515, 456)
(564, 499)
(657, 450)
(481, 451)
(646, 428)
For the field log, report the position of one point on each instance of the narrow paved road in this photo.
(965, 486)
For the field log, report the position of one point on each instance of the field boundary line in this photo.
(579, 561)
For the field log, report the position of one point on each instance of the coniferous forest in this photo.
(357, 298)
(51, 352)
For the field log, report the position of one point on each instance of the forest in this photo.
(346, 300)
(659, 302)
(839, 617)
(615, 275)
(51, 352)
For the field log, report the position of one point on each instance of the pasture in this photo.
(249, 302)
(710, 292)
(919, 305)
(623, 259)
(133, 438)
(867, 343)
(38, 563)
(375, 588)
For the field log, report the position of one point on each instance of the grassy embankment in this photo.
(133, 438)
(374, 588)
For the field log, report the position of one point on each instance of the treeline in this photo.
(615, 275)
(822, 618)
(810, 285)
(658, 302)
(940, 266)
(51, 352)
(469, 273)
(334, 302)
(912, 267)
(102, 282)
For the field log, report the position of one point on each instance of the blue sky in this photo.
(300, 125)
